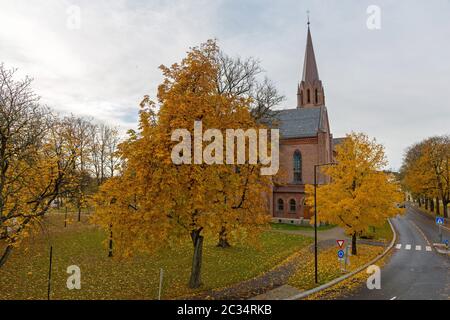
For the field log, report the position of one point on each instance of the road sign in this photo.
(340, 243)
(341, 254)
(439, 220)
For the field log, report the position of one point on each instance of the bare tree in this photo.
(35, 166)
(104, 148)
(239, 77)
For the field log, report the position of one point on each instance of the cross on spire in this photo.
(307, 14)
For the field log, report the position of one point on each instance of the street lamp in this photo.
(315, 215)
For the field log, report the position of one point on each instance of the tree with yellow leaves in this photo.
(154, 201)
(425, 172)
(36, 161)
(360, 193)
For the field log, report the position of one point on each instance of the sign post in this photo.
(440, 222)
(341, 254)
(346, 258)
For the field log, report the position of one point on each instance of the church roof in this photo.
(299, 122)
(337, 141)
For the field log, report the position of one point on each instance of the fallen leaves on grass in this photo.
(329, 267)
(347, 286)
(24, 276)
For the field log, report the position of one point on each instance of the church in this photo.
(305, 141)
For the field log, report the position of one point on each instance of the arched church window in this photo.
(297, 166)
(317, 96)
(280, 205)
(292, 205)
(308, 93)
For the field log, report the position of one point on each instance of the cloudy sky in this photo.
(98, 58)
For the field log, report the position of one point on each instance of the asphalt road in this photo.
(415, 270)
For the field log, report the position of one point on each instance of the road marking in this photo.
(408, 247)
(398, 246)
(428, 248)
(418, 248)
(420, 231)
(393, 298)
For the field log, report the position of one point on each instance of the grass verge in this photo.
(24, 276)
(330, 266)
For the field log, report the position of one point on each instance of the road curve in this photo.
(415, 270)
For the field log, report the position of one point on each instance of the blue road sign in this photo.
(439, 220)
(446, 241)
(341, 254)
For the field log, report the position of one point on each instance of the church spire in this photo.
(310, 91)
(310, 72)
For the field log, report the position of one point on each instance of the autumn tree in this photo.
(240, 77)
(360, 193)
(35, 161)
(154, 201)
(425, 172)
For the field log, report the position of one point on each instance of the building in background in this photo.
(305, 140)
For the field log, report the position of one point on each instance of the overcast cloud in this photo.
(392, 83)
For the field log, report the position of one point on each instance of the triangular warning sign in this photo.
(340, 243)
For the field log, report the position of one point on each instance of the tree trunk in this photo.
(354, 252)
(420, 202)
(79, 214)
(110, 253)
(223, 241)
(445, 209)
(197, 241)
(5, 255)
(438, 207)
(431, 204)
(426, 203)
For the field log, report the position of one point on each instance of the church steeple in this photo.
(310, 92)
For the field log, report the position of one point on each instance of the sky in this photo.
(99, 58)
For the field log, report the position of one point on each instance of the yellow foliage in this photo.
(155, 202)
(360, 193)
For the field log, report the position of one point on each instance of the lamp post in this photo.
(315, 216)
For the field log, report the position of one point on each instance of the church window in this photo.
(308, 93)
(317, 96)
(297, 166)
(280, 205)
(292, 205)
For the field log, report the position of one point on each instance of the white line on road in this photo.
(398, 246)
(408, 247)
(428, 248)
(418, 248)
(393, 298)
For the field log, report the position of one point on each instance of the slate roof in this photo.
(337, 141)
(298, 122)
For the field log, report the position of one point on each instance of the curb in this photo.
(342, 278)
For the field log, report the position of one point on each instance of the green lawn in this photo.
(24, 276)
(293, 227)
(379, 233)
